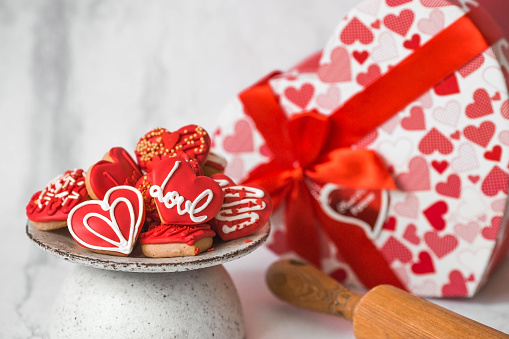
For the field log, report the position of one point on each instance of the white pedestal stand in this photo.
(139, 297)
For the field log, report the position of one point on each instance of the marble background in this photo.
(80, 77)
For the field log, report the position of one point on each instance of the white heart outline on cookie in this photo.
(124, 246)
(372, 233)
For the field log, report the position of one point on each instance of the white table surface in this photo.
(268, 317)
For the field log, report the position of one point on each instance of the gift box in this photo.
(386, 153)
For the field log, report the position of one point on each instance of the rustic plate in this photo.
(61, 244)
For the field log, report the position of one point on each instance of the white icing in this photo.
(124, 245)
(57, 188)
(355, 205)
(242, 207)
(175, 199)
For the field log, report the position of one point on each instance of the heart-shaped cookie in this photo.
(111, 225)
(181, 196)
(116, 168)
(160, 143)
(246, 209)
(48, 209)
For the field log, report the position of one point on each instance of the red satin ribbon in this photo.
(308, 154)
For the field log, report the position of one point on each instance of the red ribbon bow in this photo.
(311, 149)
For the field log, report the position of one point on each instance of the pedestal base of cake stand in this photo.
(97, 303)
(110, 296)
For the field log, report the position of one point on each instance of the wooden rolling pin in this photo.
(383, 312)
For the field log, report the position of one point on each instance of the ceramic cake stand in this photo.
(140, 297)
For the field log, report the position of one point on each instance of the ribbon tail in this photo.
(302, 230)
(358, 251)
(273, 178)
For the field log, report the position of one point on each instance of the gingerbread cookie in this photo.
(182, 197)
(111, 225)
(214, 164)
(246, 208)
(176, 240)
(160, 143)
(151, 215)
(48, 209)
(116, 168)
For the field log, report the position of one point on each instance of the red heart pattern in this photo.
(435, 214)
(111, 225)
(393, 250)
(472, 66)
(241, 141)
(495, 154)
(410, 234)
(360, 56)
(424, 265)
(491, 232)
(400, 23)
(339, 69)
(450, 188)
(481, 105)
(413, 43)
(495, 182)
(440, 166)
(440, 245)
(436, 3)
(456, 287)
(435, 141)
(417, 178)
(367, 78)
(395, 3)
(354, 31)
(481, 135)
(300, 96)
(448, 86)
(414, 122)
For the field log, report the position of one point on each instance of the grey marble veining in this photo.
(79, 77)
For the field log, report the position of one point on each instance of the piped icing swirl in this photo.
(165, 233)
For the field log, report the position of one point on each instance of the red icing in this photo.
(122, 207)
(165, 234)
(143, 185)
(159, 144)
(245, 209)
(58, 198)
(116, 168)
(176, 190)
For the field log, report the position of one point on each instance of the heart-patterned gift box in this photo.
(386, 154)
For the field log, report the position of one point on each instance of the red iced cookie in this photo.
(181, 196)
(111, 225)
(160, 143)
(48, 209)
(143, 185)
(116, 168)
(245, 209)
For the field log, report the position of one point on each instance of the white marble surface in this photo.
(79, 77)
